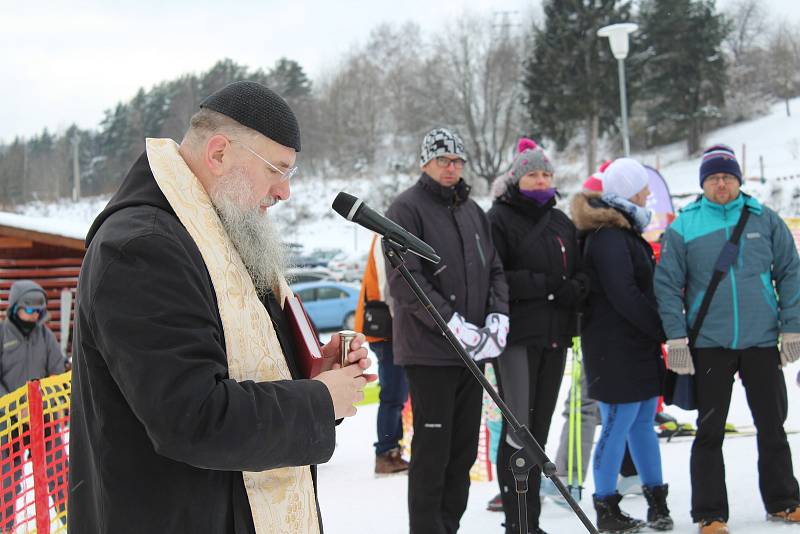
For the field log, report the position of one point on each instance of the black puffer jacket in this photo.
(469, 279)
(535, 243)
(622, 334)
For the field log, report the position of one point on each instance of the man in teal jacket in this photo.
(757, 301)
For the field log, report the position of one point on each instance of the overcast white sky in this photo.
(65, 62)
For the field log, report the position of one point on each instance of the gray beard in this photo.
(252, 233)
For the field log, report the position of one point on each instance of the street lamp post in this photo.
(618, 39)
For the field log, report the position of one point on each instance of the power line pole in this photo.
(76, 168)
(505, 23)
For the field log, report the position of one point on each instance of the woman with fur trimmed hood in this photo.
(621, 341)
(537, 244)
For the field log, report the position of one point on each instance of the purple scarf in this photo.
(540, 196)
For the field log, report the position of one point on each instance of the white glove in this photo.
(790, 348)
(679, 358)
(495, 332)
(467, 333)
(497, 323)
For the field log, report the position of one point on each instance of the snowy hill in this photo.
(773, 139)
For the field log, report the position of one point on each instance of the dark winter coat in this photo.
(622, 334)
(535, 242)
(468, 280)
(27, 357)
(160, 434)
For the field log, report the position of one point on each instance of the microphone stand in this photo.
(531, 453)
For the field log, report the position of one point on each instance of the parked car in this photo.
(330, 304)
(295, 275)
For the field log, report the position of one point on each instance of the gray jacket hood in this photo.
(23, 287)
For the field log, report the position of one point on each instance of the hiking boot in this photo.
(496, 504)
(657, 512)
(611, 519)
(390, 462)
(713, 526)
(790, 515)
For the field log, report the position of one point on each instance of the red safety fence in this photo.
(34, 448)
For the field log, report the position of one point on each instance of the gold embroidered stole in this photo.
(281, 500)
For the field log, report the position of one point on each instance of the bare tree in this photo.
(350, 114)
(745, 48)
(749, 24)
(784, 63)
(475, 81)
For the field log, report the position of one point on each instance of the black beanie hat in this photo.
(259, 108)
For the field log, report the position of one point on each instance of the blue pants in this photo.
(394, 392)
(631, 422)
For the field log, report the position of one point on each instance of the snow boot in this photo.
(611, 519)
(657, 512)
(713, 526)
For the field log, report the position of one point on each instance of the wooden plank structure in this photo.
(53, 261)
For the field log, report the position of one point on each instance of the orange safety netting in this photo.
(34, 441)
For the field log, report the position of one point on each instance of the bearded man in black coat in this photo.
(189, 411)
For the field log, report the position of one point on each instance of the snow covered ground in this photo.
(354, 500)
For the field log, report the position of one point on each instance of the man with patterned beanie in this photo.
(749, 325)
(189, 410)
(469, 290)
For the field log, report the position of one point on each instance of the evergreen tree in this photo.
(684, 68)
(570, 78)
(288, 79)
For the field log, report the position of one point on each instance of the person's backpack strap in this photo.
(727, 257)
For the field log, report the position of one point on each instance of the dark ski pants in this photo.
(529, 380)
(446, 403)
(765, 388)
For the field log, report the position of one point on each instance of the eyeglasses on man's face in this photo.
(281, 175)
(443, 162)
(727, 179)
(30, 310)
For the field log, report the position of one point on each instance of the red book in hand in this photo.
(309, 353)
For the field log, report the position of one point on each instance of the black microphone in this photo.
(354, 209)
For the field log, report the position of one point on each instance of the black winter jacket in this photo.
(468, 280)
(528, 260)
(160, 433)
(622, 334)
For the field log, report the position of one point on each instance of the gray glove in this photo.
(679, 359)
(790, 348)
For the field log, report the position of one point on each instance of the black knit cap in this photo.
(260, 109)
